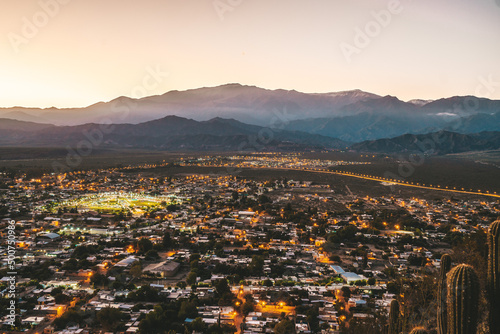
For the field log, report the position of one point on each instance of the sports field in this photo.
(114, 202)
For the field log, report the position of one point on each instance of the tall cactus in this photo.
(462, 300)
(394, 318)
(418, 330)
(441, 298)
(494, 276)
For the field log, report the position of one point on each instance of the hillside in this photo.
(168, 133)
(442, 142)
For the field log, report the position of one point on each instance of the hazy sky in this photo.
(70, 53)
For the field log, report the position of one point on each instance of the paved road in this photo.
(381, 179)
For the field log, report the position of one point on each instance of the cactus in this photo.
(441, 298)
(462, 300)
(418, 330)
(394, 317)
(494, 276)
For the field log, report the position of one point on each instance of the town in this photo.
(135, 249)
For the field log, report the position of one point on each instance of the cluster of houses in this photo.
(300, 257)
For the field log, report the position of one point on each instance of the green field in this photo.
(117, 202)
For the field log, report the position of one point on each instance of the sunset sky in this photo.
(84, 51)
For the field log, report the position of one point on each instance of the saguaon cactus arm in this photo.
(442, 322)
(394, 317)
(494, 276)
(462, 300)
(445, 266)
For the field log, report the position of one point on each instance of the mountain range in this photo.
(247, 104)
(167, 133)
(218, 134)
(226, 117)
(388, 117)
(436, 143)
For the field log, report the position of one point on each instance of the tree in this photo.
(191, 278)
(144, 245)
(334, 258)
(70, 265)
(145, 293)
(198, 325)
(346, 292)
(172, 208)
(263, 199)
(109, 318)
(248, 307)
(257, 265)
(167, 241)
(221, 287)
(154, 322)
(284, 327)
(99, 280)
(223, 292)
(61, 298)
(347, 233)
(136, 269)
(71, 316)
(187, 310)
(235, 195)
(152, 255)
(267, 282)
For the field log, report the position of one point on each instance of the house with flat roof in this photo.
(351, 277)
(164, 269)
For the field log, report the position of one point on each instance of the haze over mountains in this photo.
(226, 116)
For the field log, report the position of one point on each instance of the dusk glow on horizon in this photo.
(74, 53)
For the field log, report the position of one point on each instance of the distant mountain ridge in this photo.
(175, 133)
(388, 117)
(247, 104)
(442, 142)
(168, 133)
